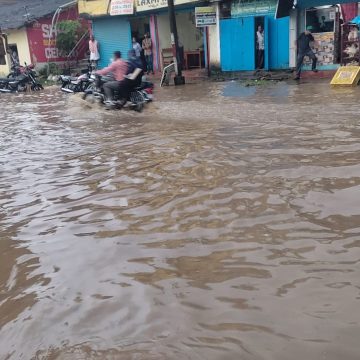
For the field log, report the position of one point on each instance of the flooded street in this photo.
(221, 223)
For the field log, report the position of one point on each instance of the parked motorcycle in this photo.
(80, 83)
(136, 98)
(21, 79)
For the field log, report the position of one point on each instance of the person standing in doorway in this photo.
(94, 51)
(304, 49)
(260, 47)
(147, 46)
(136, 47)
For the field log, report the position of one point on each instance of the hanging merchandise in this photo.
(325, 24)
(350, 45)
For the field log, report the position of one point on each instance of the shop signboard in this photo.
(93, 7)
(146, 5)
(42, 38)
(252, 7)
(121, 7)
(205, 16)
(347, 75)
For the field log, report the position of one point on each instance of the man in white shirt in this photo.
(94, 51)
(260, 47)
(136, 47)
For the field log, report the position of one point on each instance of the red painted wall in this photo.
(42, 43)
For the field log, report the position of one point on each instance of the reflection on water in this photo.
(279, 90)
(208, 227)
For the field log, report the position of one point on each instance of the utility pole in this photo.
(179, 79)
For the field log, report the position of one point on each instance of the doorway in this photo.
(14, 55)
(139, 27)
(259, 39)
(242, 32)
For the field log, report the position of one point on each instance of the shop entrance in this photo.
(261, 43)
(191, 40)
(139, 27)
(238, 43)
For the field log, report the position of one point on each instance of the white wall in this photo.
(293, 37)
(214, 39)
(20, 39)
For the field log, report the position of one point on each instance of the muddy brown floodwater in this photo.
(221, 223)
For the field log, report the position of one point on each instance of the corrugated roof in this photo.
(16, 13)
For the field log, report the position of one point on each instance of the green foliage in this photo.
(69, 33)
(50, 69)
(43, 72)
(54, 69)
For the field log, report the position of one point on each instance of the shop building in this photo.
(27, 24)
(239, 21)
(326, 19)
(18, 43)
(42, 39)
(114, 30)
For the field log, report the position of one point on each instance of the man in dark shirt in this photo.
(304, 49)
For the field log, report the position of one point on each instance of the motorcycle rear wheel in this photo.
(138, 100)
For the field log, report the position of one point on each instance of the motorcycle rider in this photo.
(133, 75)
(119, 69)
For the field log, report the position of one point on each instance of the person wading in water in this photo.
(304, 49)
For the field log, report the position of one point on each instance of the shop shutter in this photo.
(112, 33)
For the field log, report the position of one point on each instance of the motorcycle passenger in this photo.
(133, 75)
(119, 69)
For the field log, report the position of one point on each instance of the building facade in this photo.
(326, 19)
(30, 36)
(115, 23)
(238, 26)
(231, 44)
(18, 43)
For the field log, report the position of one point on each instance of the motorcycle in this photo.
(72, 85)
(20, 80)
(136, 99)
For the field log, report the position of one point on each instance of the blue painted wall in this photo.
(112, 33)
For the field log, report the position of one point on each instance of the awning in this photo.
(305, 4)
(284, 6)
(356, 20)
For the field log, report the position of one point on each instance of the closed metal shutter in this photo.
(112, 34)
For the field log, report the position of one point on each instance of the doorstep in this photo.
(321, 74)
(191, 76)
